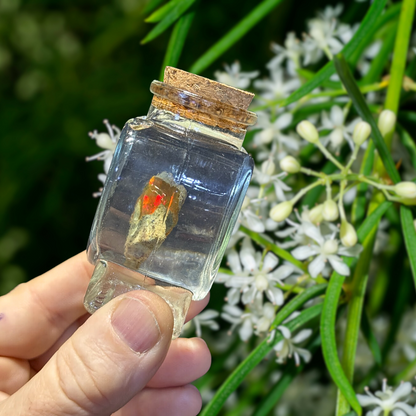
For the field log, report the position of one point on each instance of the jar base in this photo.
(110, 280)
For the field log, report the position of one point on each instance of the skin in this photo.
(55, 360)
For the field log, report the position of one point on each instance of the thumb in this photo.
(105, 363)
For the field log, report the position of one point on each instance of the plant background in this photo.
(64, 67)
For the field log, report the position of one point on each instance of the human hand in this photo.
(57, 360)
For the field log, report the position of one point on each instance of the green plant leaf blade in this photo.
(409, 234)
(177, 41)
(258, 354)
(364, 112)
(371, 339)
(236, 33)
(364, 32)
(161, 12)
(179, 8)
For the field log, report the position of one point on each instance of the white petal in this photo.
(337, 116)
(285, 331)
(254, 223)
(278, 347)
(338, 265)
(313, 232)
(275, 295)
(303, 252)
(286, 232)
(233, 260)
(316, 266)
(208, 314)
(283, 272)
(222, 277)
(304, 353)
(402, 391)
(301, 336)
(283, 121)
(351, 251)
(233, 296)
(398, 412)
(247, 255)
(248, 295)
(270, 262)
(232, 310)
(246, 330)
(366, 400)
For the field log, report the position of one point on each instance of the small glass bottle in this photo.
(172, 195)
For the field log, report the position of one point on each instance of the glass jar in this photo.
(172, 195)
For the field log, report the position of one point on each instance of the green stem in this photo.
(399, 59)
(328, 155)
(306, 190)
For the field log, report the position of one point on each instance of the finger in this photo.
(187, 360)
(14, 373)
(34, 314)
(104, 364)
(196, 307)
(37, 363)
(174, 401)
(3, 396)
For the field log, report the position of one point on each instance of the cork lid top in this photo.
(207, 88)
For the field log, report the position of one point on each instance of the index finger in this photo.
(35, 314)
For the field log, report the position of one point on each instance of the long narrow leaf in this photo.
(408, 143)
(177, 41)
(365, 229)
(257, 355)
(177, 11)
(290, 372)
(363, 34)
(370, 338)
(409, 234)
(161, 12)
(151, 5)
(236, 33)
(364, 112)
(273, 248)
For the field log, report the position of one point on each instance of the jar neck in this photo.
(185, 110)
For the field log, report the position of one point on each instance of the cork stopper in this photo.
(205, 101)
(207, 88)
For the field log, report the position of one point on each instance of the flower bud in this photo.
(330, 247)
(361, 132)
(281, 211)
(268, 167)
(315, 214)
(308, 131)
(290, 165)
(406, 189)
(348, 234)
(330, 210)
(386, 122)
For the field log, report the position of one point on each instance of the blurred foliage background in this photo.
(64, 67)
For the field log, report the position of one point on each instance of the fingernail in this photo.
(136, 325)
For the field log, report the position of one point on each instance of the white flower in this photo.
(286, 347)
(277, 87)
(205, 318)
(335, 122)
(248, 217)
(272, 130)
(266, 176)
(234, 77)
(292, 51)
(107, 141)
(387, 400)
(326, 250)
(252, 277)
(235, 316)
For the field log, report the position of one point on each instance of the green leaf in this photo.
(177, 10)
(364, 112)
(162, 12)
(151, 5)
(379, 63)
(362, 36)
(408, 143)
(177, 41)
(273, 248)
(409, 234)
(257, 355)
(290, 372)
(372, 220)
(360, 201)
(236, 33)
(329, 346)
(371, 339)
